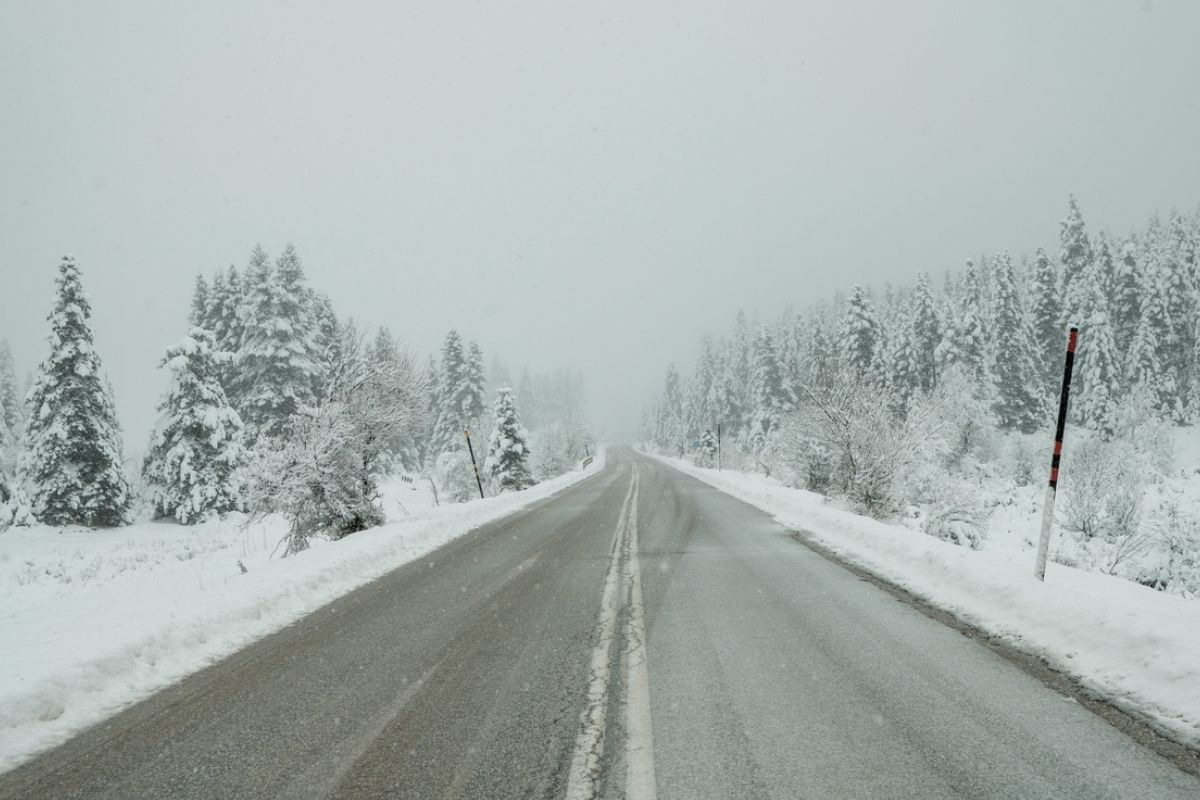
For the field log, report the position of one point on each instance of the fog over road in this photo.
(639, 634)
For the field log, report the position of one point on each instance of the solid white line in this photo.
(589, 743)
(639, 731)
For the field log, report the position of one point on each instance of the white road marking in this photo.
(589, 744)
(639, 732)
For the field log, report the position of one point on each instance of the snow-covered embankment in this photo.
(93, 621)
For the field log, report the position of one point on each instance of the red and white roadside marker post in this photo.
(1052, 490)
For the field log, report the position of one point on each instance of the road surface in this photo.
(638, 635)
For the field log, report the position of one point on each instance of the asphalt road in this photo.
(637, 635)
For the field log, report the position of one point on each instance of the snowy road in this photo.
(537, 657)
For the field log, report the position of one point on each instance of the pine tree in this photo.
(327, 343)
(722, 396)
(1127, 293)
(1153, 357)
(1075, 255)
(11, 411)
(200, 300)
(900, 366)
(275, 369)
(224, 319)
(452, 375)
(821, 358)
(962, 343)
(1045, 322)
(191, 467)
(1099, 387)
(1175, 259)
(700, 391)
(1017, 404)
(476, 385)
(769, 397)
(925, 333)
(672, 427)
(859, 335)
(508, 448)
(739, 364)
(72, 438)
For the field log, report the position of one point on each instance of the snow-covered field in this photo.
(1135, 646)
(93, 621)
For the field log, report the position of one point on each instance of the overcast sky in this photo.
(592, 185)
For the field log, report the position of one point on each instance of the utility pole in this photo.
(474, 466)
(1052, 489)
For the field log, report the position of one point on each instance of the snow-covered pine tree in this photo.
(1152, 359)
(739, 363)
(700, 390)
(722, 397)
(1075, 254)
(708, 448)
(1018, 404)
(532, 414)
(859, 335)
(200, 300)
(1127, 293)
(769, 396)
(223, 318)
(327, 339)
(11, 408)
(1175, 259)
(822, 357)
(192, 466)
(672, 433)
(508, 448)
(1105, 269)
(452, 376)
(925, 333)
(72, 439)
(901, 377)
(476, 385)
(1045, 322)
(962, 339)
(275, 369)
(1099, 389)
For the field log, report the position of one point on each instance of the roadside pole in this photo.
(1052, 489)
(474, 466)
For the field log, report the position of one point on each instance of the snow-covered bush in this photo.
(706, 456)
(323, 476)
(1024, 459)
(871, 445)
(953, 514)
(1173, 563)
(454, 477)
(1101, 490)
(960, 417)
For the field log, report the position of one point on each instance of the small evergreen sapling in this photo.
(508, 449)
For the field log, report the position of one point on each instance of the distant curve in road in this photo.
(638, 635)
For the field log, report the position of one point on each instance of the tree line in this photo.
(275, 404)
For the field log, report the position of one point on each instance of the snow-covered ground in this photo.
(93, 621)
(1138, 647)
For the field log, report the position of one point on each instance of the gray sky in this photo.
(583, 184)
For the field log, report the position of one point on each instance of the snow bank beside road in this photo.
(93, 621)
(1138, 648)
